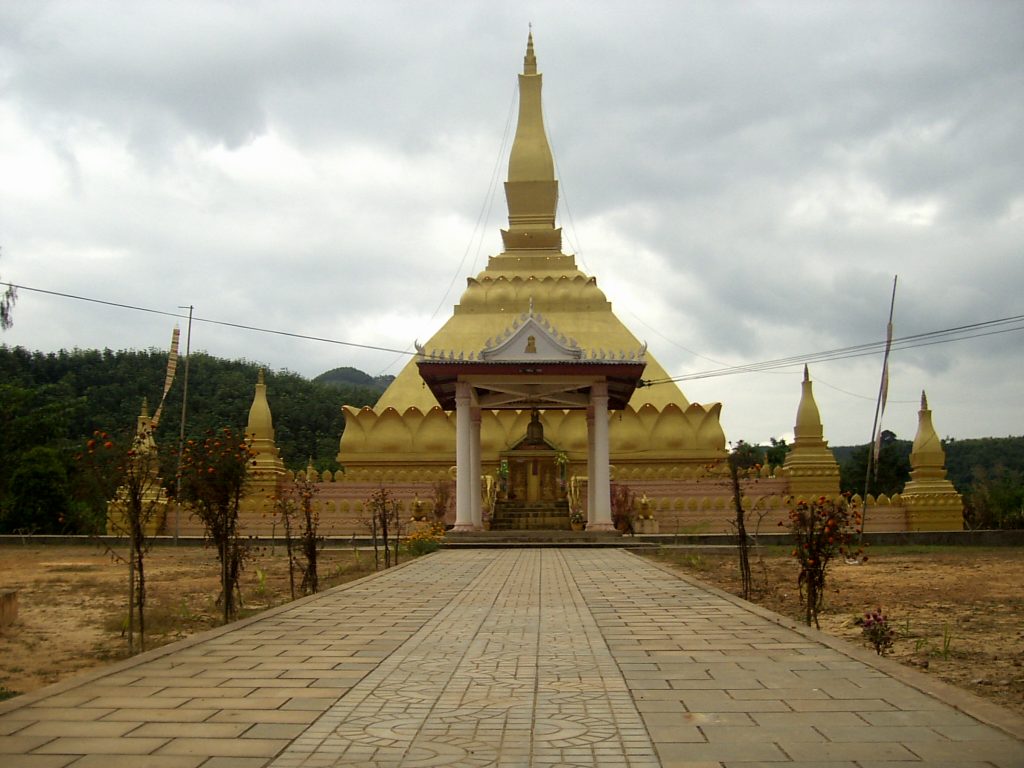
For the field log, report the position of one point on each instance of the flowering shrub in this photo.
(213, 473)
(425, 540)
(876, 630)
(822, 529)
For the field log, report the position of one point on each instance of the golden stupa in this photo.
(407, 436)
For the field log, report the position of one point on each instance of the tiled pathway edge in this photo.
(509, 658)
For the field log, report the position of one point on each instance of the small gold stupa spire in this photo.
(810, 466)
(808, 429)
(932, 501)
(144, 428)
(927, 457)
(261, 423)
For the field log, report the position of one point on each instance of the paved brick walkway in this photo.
(509, 658)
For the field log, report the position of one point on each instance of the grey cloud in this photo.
(759, 156)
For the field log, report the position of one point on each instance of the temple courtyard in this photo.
(509, 657)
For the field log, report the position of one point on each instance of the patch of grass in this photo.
(930, 549)
(694, 561)
(116, 622)
(111, 654)
(71, 567)
(349, 570)
(97, 583)
(169, 618)
(7, 693)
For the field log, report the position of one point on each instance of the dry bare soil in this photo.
(73, 602)
(958, 612)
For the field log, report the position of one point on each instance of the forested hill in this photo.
(349, 377)
(59, 399)
(967, 460)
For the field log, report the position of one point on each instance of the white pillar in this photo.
(590, 465)
(601, 516)
(474, 468)
(463, 443)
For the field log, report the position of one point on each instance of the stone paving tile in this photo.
(134, 761)
(513, 672)
(511, 658)
(794, 698)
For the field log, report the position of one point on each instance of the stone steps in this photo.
(512, 515)
(541, 539)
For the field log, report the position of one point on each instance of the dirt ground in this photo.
(958, 612)
(72, 602)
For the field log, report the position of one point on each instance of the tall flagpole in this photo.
(883, 393)
(181, 432)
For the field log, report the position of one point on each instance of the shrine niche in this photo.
(536, 468)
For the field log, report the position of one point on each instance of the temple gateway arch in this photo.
(531, 367)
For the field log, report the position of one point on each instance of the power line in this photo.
(211, 321)
(930, 338)
(957, 333)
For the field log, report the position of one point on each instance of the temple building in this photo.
(407, 435)
(529, 405)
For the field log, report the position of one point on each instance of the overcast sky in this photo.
(743, 179)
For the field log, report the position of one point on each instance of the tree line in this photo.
(988, 472)
(51, 404)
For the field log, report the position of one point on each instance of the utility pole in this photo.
(181, 432)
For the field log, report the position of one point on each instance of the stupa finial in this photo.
(530, 60)
(924, 401)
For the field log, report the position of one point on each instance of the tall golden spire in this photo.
(531, 190)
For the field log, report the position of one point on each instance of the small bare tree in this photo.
(623, 503)
(297, 509)
(743, 461)
(123, 475)
(442, 490)
(384, 519)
